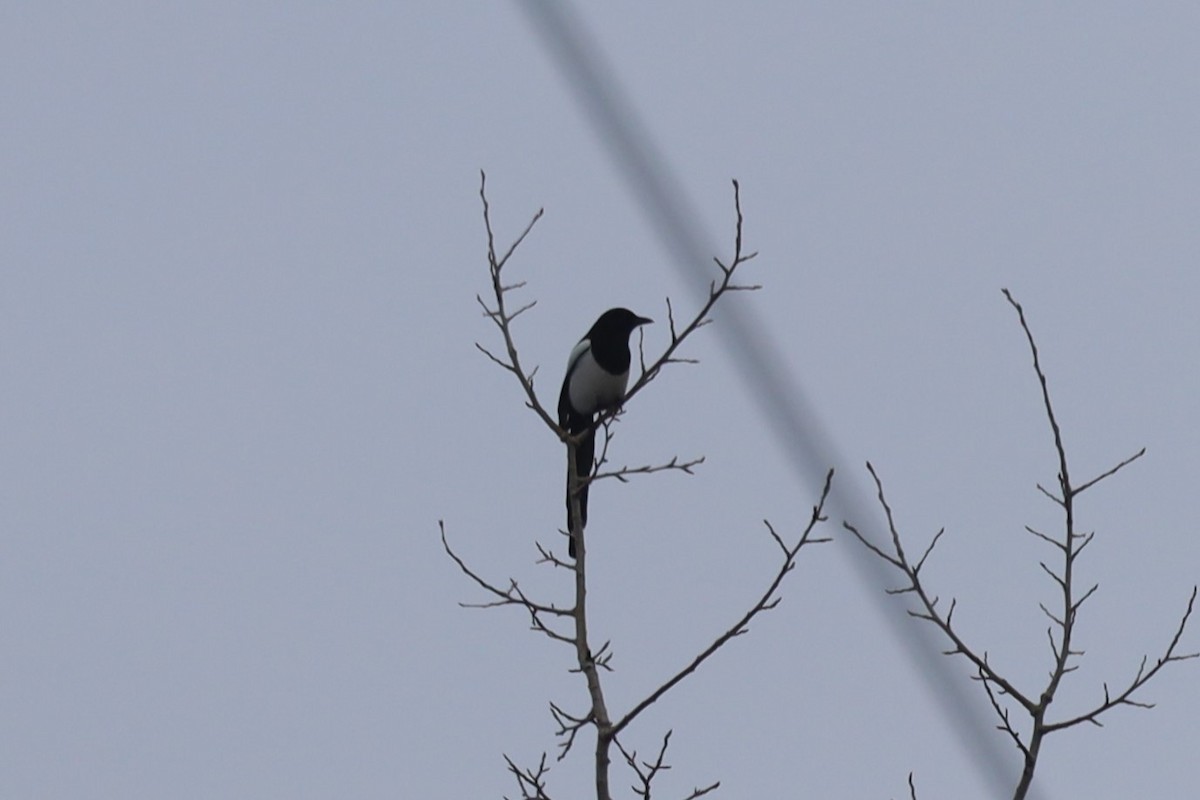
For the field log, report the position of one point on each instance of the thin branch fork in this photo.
(1139, 680)
(531, 781)
(512, 596)
(568, 727)
(647, 771)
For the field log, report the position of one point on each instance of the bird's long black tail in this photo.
(584, 453)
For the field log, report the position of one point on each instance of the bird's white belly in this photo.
(592, 389)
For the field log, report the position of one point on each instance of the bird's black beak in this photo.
(643, 321)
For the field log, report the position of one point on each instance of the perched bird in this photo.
(597, 374)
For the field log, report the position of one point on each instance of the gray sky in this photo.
(237, 319)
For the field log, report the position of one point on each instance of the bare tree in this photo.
(1004, 696)
(568, 623)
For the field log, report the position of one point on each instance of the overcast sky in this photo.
(241, 248)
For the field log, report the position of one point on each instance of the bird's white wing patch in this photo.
(581, 348)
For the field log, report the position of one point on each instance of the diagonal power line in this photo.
(781, 400)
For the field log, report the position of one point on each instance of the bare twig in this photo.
(623, 473)
(1107, 473)
(568, 727)
(531, 781)
(647, 771)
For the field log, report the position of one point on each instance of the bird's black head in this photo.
(616, 323)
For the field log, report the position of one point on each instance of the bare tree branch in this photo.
(647, 771)
(1068, 546)
(568, 727)
(500, 314)
(623, 473)
(1078, 490)
(1001, 711)
(765, 602)
(531, 782)
(929, 610)
(1139, 680)
(512, 596)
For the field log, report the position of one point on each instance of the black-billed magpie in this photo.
(597, 374)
